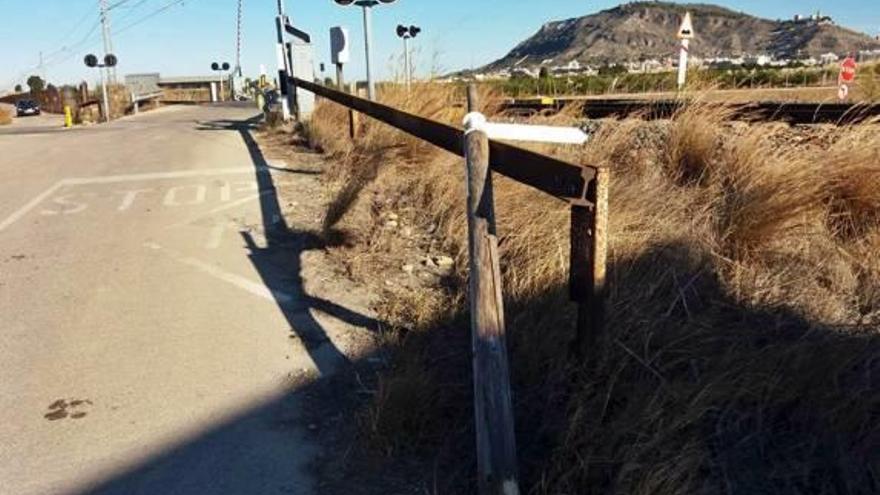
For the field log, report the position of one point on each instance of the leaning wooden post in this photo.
(589, 258)
(493, 408)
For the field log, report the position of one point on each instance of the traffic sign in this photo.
(686, 31)
(843, 92)
(848, 70)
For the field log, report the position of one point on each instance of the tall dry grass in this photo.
(742, 353)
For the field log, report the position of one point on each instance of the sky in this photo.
(183, 37)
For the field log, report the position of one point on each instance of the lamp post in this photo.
(406, 33)
(110, 60)
(367, 5)
(220, 69)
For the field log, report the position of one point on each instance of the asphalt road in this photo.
(36, 124)
(146, 340)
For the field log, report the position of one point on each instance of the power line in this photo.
(71, 51)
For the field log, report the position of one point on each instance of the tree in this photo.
(36, 85)
(544, 73)
(18, 88)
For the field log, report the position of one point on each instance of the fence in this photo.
(584, 187)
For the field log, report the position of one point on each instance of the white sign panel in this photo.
(686, 31)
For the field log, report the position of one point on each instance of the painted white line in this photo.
(110, 179)
(16, 216)
(242, 283)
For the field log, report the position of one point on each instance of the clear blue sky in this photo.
(185, 39)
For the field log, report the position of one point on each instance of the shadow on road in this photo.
(258, 451)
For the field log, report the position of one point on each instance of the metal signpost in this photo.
(367, 5)
(846, 77)
(109, 61)
(340, 54)
(685, 34)
(406, 33)
(220, 69)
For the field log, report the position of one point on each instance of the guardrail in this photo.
(795, 113)
(137, 99)
(584, 187)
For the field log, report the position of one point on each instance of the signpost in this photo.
(685, 34)
(846, 78)
(110, 60)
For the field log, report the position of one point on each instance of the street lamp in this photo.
(220, 68)
(110, 60)
(368, 36)
(406, 33)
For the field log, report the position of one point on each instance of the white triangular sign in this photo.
(686, 31)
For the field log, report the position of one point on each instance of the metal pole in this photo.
(368, 35)
(221, 85)
(340, 80)
(406, 62)
(106, 98)
(105, 32)
(283, 69)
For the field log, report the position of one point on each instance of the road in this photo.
(31, 125)
(158, 324)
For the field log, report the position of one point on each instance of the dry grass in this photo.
(742, 354)
(5, 116)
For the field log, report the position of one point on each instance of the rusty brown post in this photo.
(493, 408)
(352, 115)
(589, 258)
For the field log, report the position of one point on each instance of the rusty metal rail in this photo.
(583, 186)
(558, 178)
(794, 113)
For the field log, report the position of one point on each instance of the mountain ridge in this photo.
(639, 31)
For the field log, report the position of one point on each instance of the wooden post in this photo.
(589, 258)
(352, 115)
(493, 409)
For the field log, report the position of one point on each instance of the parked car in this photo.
(27, 107)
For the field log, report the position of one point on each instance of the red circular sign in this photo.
(848, 70)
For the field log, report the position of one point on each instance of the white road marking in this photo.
(24, 210)
(65, 202)
(129, 197)
(219, 209)
(199, 198)
(243, 283)
(111, 179)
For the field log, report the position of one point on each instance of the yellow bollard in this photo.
(68, 116)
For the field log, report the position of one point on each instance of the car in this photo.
(27, 107)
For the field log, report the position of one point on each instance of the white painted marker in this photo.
(199, 198)
(129, 197)
(519, 132)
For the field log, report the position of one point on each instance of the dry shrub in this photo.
(741, 354)
(5, 116)
(693, 140)
(852, 167)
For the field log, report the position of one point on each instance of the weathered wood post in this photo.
(493, 409)
(352, 115)
(589, 258)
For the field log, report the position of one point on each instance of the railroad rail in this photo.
(791, 112)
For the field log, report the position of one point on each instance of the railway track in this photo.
(794, 113)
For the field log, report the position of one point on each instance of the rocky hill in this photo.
(646, 30)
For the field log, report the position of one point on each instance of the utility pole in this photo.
(108, 43)
(283, 67)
